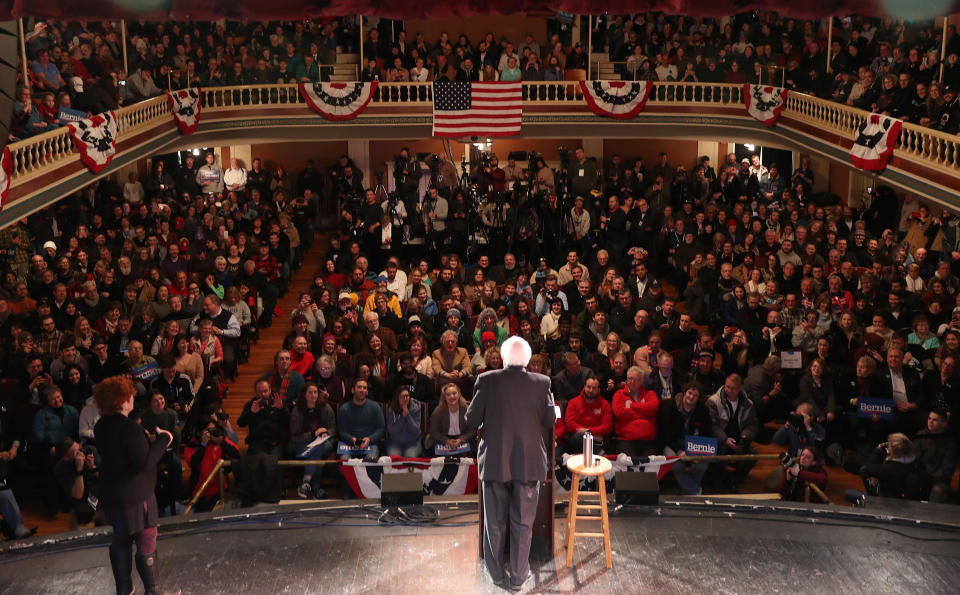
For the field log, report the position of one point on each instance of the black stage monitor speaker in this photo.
(401, 489)
(637, 488)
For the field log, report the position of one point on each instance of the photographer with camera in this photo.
(406, 176)
(267, 419)
(76, 474)
(212, 444)
(806, 469)
(800, 431)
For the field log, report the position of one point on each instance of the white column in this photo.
(711, 149)
(359, 151)
(243, 154)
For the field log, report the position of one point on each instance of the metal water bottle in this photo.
(588, 449)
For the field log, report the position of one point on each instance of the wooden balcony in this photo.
(47, 167)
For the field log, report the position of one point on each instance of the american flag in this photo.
(476, 109)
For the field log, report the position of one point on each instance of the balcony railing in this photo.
(919, 145)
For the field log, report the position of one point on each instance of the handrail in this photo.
(925, 146)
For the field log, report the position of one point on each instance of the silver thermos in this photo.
(588, 449)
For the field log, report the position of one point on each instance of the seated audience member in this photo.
(892, 470)
(422, 388)
(267, 420)
(76, 476)
(284, 381)
(404, 417)
(569, 381)
(312, 418)
(448, 424)
(360, 422)
(936, 455)
(735, 426)
(635, 416)
(806, 471)
(451, 363)
(685, 415)
(588, 412)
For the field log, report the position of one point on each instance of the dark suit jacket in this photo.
(513, 409)
(911, 381)
(440, 427)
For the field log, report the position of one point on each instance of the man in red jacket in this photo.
(587, 411)
(635, 416)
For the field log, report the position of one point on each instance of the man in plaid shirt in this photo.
(266, 263)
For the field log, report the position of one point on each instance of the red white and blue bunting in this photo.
(185, 106)
(6, 171)
(450, 476)
(874, 142)
(764, 103)
(96, 140)
(616, 99)
(338, 101)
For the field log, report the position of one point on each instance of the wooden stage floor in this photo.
(665, 549)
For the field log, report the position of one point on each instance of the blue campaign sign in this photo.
(354, 451)
(700, 446)
(442, 450)
(70, 115)
(869, 406)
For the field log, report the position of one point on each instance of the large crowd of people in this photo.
(663, 300)
(661, 306)
(887, 66)
(879, 65)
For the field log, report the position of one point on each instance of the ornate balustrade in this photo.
(826, 121)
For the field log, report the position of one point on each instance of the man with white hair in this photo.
(514, 408)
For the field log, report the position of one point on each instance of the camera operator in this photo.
(434, 210)
(544, 180)
(584, 174)
(406, 175)
(492, 179)
(512, 172)
(369, 222)
(800, 431)
(806, 469)
(76, 473)
(495, 216)
(348, 184)
(443, 174)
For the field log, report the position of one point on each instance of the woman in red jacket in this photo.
(807, 470)
(635, 416)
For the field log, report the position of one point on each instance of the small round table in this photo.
(600, 467)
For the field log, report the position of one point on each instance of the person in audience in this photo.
(267, 419)
(635, 416)
(735, 426)
(686, 415)
(360, 423)
(404, 421)
(588, 412)
(449, 432)
(807, 470)
(311, 421)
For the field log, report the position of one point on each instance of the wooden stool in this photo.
(577, 468)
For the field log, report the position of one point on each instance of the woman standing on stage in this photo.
(128, 476)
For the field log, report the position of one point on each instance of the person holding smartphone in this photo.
(128, 477)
